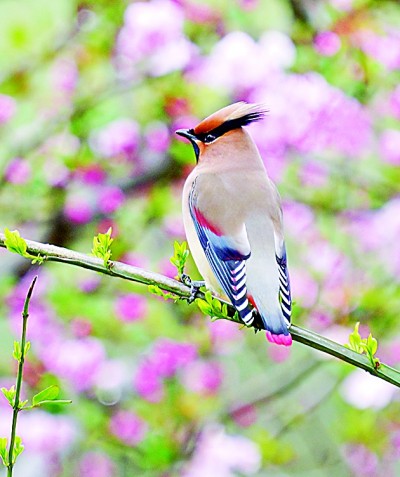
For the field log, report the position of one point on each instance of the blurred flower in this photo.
(65, 75)
(166, 358)
(47, 433)
(18, 171)
(304, 287)
(76, 360)
(246, 416)
(223, 334)
(157, 137)
(363, 391)
(327, 43)
(362, 462)
(81, 327)
(384, 48)
(128, 427)
(7, 108)
(314, 174)
(153, 33)
(202, 377)
(92, 174)
(218, 454)
(166, 268)
(96, 464)
(110, 199)
(390, 146)
(148, 383)
(118, 138)
(79, 207)
(112, 378)
(299, 220)
(130, 307)
(395, 102)
(343, 5)
(279, 354)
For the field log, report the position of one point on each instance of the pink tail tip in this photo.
(285, 340)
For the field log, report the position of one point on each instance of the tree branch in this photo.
(135, 274)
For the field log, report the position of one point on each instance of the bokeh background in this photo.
(91, 93)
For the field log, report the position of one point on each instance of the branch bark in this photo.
(135, 274)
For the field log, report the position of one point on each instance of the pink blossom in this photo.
(76, 360)
(327, 43)
(7, 108)
(128, 427)
(65, 75)
(18, 171)
(47, 433)
(218, 454)
(81, 327)
(246, 416)
(310, 116)
(148, 383)
(79, 207)
(110, 199)
(169, 356)
(118, 138)
(342, 5)
(279, 354)
(157, 137)
(96, 464)
(390, 146)
(314, 174)
(93, 174)
(153, 34)
(166, 268)
(304, 287)
(384, 48)
(224, 334)
(395, 102)
(363, 391)
(130, 307)
(202, 377)
(362, 462)
(299, 219)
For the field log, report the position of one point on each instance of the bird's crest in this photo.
(232, 116)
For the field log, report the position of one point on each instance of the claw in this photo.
(194, 286)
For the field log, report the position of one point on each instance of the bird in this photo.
(233, 220)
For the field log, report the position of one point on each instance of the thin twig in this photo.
(128, 272)
(16, 406)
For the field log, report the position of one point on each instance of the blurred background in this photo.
(91, 93)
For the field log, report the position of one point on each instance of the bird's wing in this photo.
(285, 297)
(224, 241)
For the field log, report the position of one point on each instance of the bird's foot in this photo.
(194, 285)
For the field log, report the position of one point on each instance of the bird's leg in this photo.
(194, 286)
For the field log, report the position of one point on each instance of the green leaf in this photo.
(9, 394)
(181, 253)
(18, 448)
(48, 394)
(17, 351)
(14, 242)
(156, 290)
(204, 307)
(101, 247)
(355, 341)
(3, 450)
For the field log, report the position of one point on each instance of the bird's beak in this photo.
(186, 133)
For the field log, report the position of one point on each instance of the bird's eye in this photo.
(210, 138)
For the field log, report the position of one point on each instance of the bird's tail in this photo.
(273, 321)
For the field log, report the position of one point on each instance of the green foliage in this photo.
(3, 451)
(9, 394)
(181, 254)
(212, 307)
(48, 396)
(101, 247)
(156, 290)
(369, 345)
(16, 244)
(18, 448)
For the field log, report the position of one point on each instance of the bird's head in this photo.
(214, 127)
